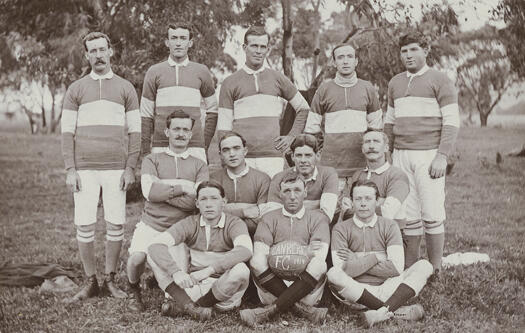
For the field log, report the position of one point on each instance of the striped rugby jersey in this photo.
(343, 114)
(160, 174)
(169, 86)
(380, 237)
(96, 111)
(252, 103)
(423, 110)
(250, 187)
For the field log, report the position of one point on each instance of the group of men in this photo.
(205, 236)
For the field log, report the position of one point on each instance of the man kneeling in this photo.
(309, 230)
(368, 259)
(219, 245)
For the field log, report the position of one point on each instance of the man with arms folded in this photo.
(307, 228)
(347, 106)
(168, 183)
(246, 188)
(391, 182)
(422, 123)
(174, 84)
(97, 108)
(321, 181)
(367, 253)
(219, 245)
(251, 103)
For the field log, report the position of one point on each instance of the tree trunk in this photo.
(483, 119)
(287, 53)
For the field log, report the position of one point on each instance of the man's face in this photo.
(178, 42)
(179, 133)
(345, 60)
(256, 50)
(414, 57)
(98, 54)
(374, 147)
(293, 195)
(210, 203)
(364, 202)
(232, 152)
(305, 160)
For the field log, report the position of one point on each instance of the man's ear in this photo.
(167, 43)
(110, 52)
(166, 132)
(190, 43)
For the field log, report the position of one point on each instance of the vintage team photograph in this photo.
(262, 166)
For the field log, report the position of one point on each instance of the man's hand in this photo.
(182, 279)
(205, 273)
(251, 212)
(345, 254)
(312, 248)
(438, 167)
(282, 143)
(127, 179)
(188, 189)
(73, 180)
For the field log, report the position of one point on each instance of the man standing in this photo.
(174, 84)
(252, 101)
(347, 106)
(391, 181)
(97, 108)
(367, 254)
(168, 183)
(321, 181)
(219, 245)
(307, 228)
(422, 122)
(246, 188)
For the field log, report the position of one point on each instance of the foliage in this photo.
(484, 71)
(513, 13)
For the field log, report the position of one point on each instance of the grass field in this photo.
(486, 213)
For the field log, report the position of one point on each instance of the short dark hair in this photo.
(367, 183)
(378, 130)
(175, 26)
(255, 30)
(291, 177)
(181, 115)
(342, 45)
(413, 37)
(95, 35)
(305, 140)
(208, 184)
(230, 134)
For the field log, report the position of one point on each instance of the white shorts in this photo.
(197, 152)
(197, 291)
(311, 299)
(113, 198)
(426, 200)
(269, 165)
(142, 238)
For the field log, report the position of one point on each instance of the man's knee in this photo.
(136, 259)
(114, 232)
(422, 268)
(335, 275)
(316, 268)
(239, 273)
(86, 233)
(258, 265)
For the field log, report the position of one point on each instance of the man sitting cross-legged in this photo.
(367, 254)
(308, 228)
(246, 188)
(219, 245)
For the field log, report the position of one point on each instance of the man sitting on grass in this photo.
(219, 245)
(367, 253)
(294, 223)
